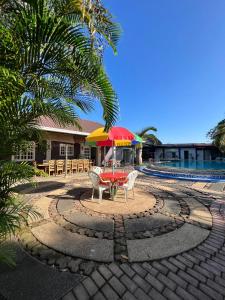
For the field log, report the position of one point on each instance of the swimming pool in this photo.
(194, 164)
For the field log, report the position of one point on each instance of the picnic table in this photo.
(114, 178)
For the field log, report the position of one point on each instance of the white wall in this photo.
(191, 153)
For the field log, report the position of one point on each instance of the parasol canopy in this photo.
(116, 136)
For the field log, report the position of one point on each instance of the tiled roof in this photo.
(86, 125)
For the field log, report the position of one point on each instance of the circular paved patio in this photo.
(158, 223)
(171, 246)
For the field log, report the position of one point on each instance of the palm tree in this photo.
(149, 138)
(50, 52)
(217, 135)
(51, 64)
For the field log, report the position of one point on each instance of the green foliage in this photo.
(40, 173)
(217, 135)
(13, 211)
(149, 137)
(51, 64)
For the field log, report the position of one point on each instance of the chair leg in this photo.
(100, 195)
(133, 193)
(92, 196)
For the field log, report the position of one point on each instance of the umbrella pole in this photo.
(113, 160)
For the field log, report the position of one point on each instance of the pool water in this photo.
(194, 164)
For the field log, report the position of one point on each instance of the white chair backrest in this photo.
(95, 179)
(97, 170)
(131, 179)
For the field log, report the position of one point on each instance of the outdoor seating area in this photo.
(59, 167)
(112, 181)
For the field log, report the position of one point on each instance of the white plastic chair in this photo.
(98, 184)
(129, 185)
(97, 170)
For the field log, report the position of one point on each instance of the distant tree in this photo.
(148, 138)
(217, 135)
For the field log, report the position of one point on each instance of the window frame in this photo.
(63, 146)
(28, 155)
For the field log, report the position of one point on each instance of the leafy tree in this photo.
(149, 138)
(217, 135)
(50, 51)
(51, 64)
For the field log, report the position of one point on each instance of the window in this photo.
(28, 155)
(87, 152)
(70, 150)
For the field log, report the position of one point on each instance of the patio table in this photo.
(114, 178)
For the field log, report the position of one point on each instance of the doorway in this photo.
(186, 154)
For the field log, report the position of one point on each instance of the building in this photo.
(195, 151)
(55, 138)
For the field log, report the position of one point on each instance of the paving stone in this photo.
(99, 296)
(98, 279)
(188, 278)
(216, 286)
(109, 293)
(170, 294)
(115, 270)
(105, 272)
(128, 296)
(155, 295)
(80, 292)
(197, 293)
(127, 269)
(140, 294)
(65, 205)
(177, 279)
(73, 265)
(157, 265)
(199, 213)
(184, 294)
(117, 285)
(91, 222)
(177, 263)
(169, 266)
(196, 275)
(146, 223)
(138, 269)
(90, 286)
(166, 281)
(171, 206)
(211, 269)
(180, 240)
(150, 269)
(141, 283)
(130, 284)
(69, 296)
(207, 290)
(73, 244)
(154, 282)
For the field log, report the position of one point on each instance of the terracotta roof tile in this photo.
(86, 125)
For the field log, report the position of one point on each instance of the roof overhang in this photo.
(61, 130)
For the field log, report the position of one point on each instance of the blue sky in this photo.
(170, 68)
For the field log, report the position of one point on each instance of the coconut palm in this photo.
(149, 138)
(54, 56)
(217, 134)
(51, 64)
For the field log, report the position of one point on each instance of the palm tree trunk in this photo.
(139, 155)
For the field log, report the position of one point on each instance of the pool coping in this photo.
(182, 174)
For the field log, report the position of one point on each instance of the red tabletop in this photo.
(114, 177)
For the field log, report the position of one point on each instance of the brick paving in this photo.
(196, 274)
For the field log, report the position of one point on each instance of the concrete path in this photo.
(32, 280)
